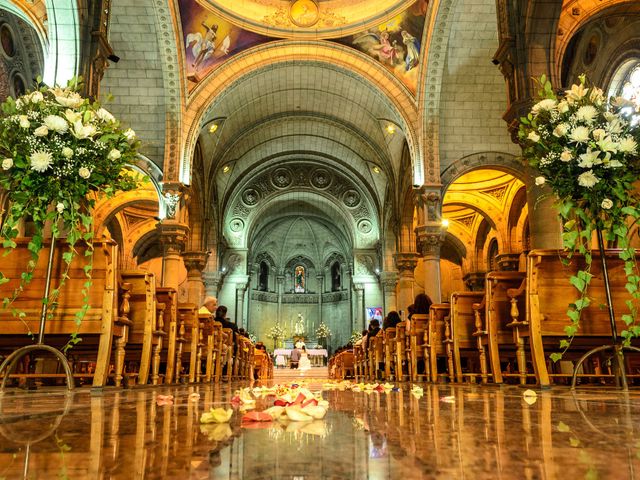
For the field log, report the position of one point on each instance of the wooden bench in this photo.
(389, 343)
(100, 325)
(440, 343)
(189, 344)
(548, 293)
(167, 301)
(403, 362)
(463, 333)
(418, 348)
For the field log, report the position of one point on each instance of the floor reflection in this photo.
(450, 432)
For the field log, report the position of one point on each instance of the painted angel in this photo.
(203, 47)
(380, 46)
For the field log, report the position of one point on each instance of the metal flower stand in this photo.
(617, 347)
(12, 360)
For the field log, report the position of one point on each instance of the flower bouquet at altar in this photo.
(276, 332)
(585, 148)
(323, 332)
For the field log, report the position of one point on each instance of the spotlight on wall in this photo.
(391, 129)
(114, 58)
(213, 128)
(224, 269)
(377, 271)
(445, 223)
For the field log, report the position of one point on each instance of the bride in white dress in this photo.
(305, 363)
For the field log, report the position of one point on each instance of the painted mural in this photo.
(209, 40)
(396, 44)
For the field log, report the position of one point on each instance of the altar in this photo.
(316, 356)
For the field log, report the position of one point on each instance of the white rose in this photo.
(72, 116)
(114, 154)
(540, 181)
(561, 130)
(547, 104)
(606, 204)
(67, 152)
(104, 115)
(19, 104)
(36, 97)
(587, 179)
(628, 145)
(7, 163)
(566, 155)
(579, 135)
(41, 131)
(72, 100)
(534, 137)
(56, 123)
(60, 207)
(598, 134)
(563, 106)
(84, 172)
(24, 121)
(586, 113)
(130, 135)
(40, 160)
(81, 131)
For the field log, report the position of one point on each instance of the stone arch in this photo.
(494, 160)
(342, 59)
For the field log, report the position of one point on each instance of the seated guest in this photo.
(391, 320)
(220, 316)
(209, 306)
(374, 328)
(411, 309)
(422, 304)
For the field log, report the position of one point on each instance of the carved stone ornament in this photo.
(429, 240)
(195, 262)
(171, 201)
(406, 262)
(173, 236)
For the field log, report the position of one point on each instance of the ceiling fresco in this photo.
(211, 35)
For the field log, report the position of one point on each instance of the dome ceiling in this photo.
(307, 18)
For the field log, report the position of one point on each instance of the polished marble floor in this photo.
(451, 432)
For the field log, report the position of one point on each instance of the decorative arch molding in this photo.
(109, 207)
(333, 258)
(332, 56)
(296, 260)
(495, 160)
(627, 54)
(264, 257)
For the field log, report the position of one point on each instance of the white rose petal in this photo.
(41, 131)
(534, 137)
(114, 154)
(566, 155)
(561, 130)
(7, 163)
(60, 207)
(587, 179)
(24, 121)
(106, 116)
(598, 134)
(606, 204)
(579, 135)
(84, 172)
(540, 181)
(130, 135)
(628, 145)
(40, 160)
(67, 152)
(56, 123)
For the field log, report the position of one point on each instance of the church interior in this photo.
(320, 168)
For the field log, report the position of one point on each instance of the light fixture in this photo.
(226, 169)
(445, 223)
(391, 128)
(224, 269)
(376, 169)
(377, 271)
(213, 128)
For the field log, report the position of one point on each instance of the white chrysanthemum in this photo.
(534, 137)
(130, 135)
(598, 134)
(23, 120)
(561, 130)
(71, 100)
(67, 152)
(606, 204)
(566, 155)
(586, 113)
(84, 172)
(540, 181)
(628, 145)
(71, 116)
(7, 163)
(56, 123)
(579, 135)
(81, 131)
(60, 207)
(104, 115)
(114, 154)
(40, 160)
(547, 104)
(587, 179)
(41, 131)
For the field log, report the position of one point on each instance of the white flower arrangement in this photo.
(323, 331)
(586, 150)
(276, 332)
(355, 337)
(64, 147)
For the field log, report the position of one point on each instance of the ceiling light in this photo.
(376, 170)
(213, 128)
(445, 223)
(391, 129)
(226, 169)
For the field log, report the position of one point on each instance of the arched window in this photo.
(299, 280)
(263, 277)
(492, 264)
(626, 84)
(336, 283)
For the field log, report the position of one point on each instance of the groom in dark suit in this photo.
(295, 357)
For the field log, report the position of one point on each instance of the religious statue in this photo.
(299, 328)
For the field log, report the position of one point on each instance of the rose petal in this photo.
(216, 415)
(297, 415)
(257, 417)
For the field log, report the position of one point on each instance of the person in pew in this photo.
(221, 316)
(391, 320)
(422, 304)
(209, 306)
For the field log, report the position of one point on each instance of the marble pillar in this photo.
(360, 320)
(389, 282)
(430, 236)
(195, 262)
(318, 320)
(406, 263)
(173, 237)
(241, 288)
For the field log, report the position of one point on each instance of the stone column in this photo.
(212, 281)
(173, 237)
(406, 263)
(241, 288)
(389, 283)
(360, 318)
(195, 262)
(320, 279)
(430, 236)
(280, 290)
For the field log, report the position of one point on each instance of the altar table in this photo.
(316, 355)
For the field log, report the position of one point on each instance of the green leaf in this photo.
(555, 357)
(571, 330)
(563, 427)
(577, 282)
(574, 442)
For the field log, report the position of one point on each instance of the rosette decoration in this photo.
(323, 330)
(60, 152)
(585, 148)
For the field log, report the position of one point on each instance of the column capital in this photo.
(173, 236)
(406, 262)
(174, 195)
(358, 287)
(429, 239)
(389, 281)
(475, 281)
(195, 262)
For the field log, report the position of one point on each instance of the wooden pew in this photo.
(98, 329)
(389, 344)
(497, 320)
(169, 298)
(358, 358)
(403, 363)
(463, 328)
(548, 293)
(189, 344)
(376, 354)
(419, 345)
(440, 340)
